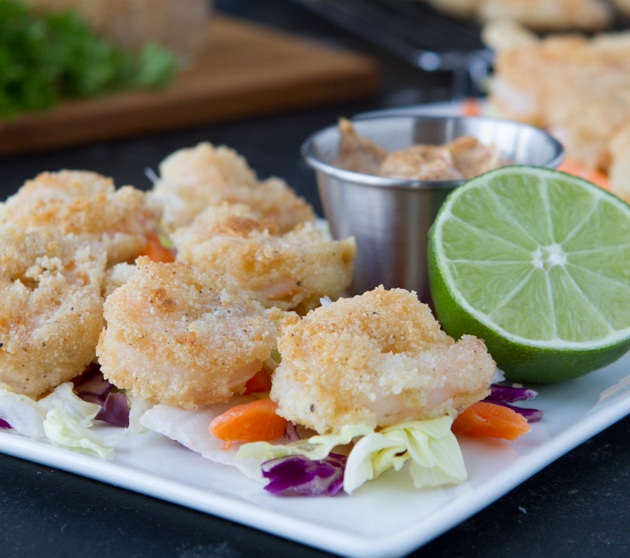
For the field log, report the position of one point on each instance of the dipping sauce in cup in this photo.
(390, 217)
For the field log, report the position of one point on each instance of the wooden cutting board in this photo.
(246, 70)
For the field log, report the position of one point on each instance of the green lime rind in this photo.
(519, 362)
(479, 248)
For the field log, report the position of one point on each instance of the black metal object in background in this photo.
(416, 33)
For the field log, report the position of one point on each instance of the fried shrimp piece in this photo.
(182, 336)
(375, 359)
(52, 308)
(86, 204)
(293, 270)
(195, 178)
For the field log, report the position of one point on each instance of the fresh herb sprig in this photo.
(47, 58)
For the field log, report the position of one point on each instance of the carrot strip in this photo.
(592, 175)
(259, 382)
(256, 421)
(491, 420)
(155, 250)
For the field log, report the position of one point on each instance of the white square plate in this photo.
(385, 518)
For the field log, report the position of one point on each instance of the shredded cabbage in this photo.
(296, 475)
(429, 446)
(22, 414)
(506, 395)
(315, 447)
(62, 417)
(70, 432)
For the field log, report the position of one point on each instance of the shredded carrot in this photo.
(491, 420)
(157, 251)
(256, 421)
(592, 175)
(471, 107)
(259, 382)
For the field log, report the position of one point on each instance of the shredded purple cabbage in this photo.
(4, 424)
(505, 395)
(291, 432)
(296, 475)
(115, 409)
(511, 394)
(93, 387)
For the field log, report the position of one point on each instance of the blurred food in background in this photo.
(54, 50)
(540, 15)
(179, 25)
(574, 86)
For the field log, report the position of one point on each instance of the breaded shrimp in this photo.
(182, 336)
(52, 308)
(375, 359)
(195, 178)
(86, 204)
(292, 271)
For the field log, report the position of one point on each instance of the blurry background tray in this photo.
(247, 70)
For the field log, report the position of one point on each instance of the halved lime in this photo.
(537, 263)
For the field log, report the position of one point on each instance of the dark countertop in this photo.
(577, 507)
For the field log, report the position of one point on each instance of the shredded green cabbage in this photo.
(429, 446)
(66, 431)
(315, 447)
(62, 417)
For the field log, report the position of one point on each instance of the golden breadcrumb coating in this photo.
(375, 359)
(51, 313)
(192, 179)
(116, 276)
(87, 204)
(293, 270)
(182, 336)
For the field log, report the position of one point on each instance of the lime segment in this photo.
(537, 263)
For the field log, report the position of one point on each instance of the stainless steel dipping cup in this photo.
(390, 218)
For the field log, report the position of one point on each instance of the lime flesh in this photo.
(537, 263)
